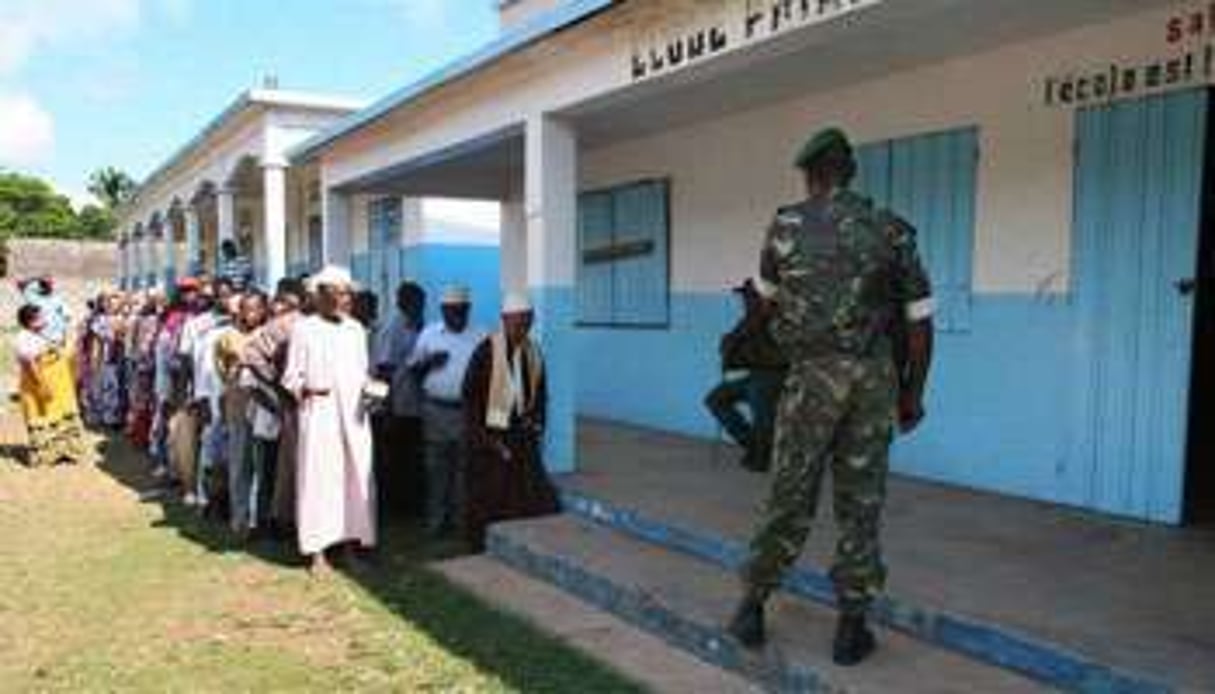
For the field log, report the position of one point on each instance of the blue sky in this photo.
(89, 83)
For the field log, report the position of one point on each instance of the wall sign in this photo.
(712, 27)
(1187, 59)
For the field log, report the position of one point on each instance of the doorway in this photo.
(1139, 206)
(1200, 453)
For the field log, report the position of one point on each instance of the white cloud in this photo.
(27, 131)
(29, 26)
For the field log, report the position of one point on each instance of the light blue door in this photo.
(1138, 190)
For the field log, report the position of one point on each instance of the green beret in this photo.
(823, 141)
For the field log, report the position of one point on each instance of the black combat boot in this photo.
(747, 624)
(853, 640)
(752, 461)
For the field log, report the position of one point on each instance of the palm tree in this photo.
(111, 186)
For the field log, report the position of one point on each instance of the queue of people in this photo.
(294, 415)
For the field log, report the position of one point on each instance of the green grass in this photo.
(102, 592)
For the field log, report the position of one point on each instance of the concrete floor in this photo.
(1133, 596)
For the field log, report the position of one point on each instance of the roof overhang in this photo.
(248, 100)
(527, 34)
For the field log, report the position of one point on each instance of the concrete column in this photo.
(170, 252)
(193, 265)
(513, 245)
(124, 261)
(137, 274)
(274, 186)
(335, 230)
(155, 267)
(550, 206)
(225, 200)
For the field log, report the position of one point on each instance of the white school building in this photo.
(626, 157)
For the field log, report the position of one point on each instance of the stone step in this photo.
(685, 601)
(1038, 658)
(642, 657)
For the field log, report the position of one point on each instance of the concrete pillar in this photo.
(124, 261)
(137, 265)
(170, 251)
(274, 198)
(155, 267)
(513, 228)
(335, 230)
(550, 200)
(193, 265)
(225, 201)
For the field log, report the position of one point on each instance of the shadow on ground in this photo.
(519, 655)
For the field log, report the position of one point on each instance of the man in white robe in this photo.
(326, 372)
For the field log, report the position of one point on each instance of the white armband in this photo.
(765, 288)
(921, 310)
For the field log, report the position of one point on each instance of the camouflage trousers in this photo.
(836, 413)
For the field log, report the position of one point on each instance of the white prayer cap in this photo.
(332, 275)
(455, 295)
(516, 302)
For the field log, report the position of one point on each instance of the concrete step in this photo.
(685, 601)
(1038, 658)
(638, 655)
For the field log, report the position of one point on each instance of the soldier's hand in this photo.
(911, 412)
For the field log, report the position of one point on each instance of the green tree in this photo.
(111, 186)
(95, 222)
(30, 207)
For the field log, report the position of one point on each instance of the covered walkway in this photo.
(1038, 584)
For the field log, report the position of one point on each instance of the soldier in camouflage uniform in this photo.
(846, 284)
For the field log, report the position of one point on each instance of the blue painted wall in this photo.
(1002, 398)
(434, 266)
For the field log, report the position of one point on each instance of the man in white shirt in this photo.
(440, 359)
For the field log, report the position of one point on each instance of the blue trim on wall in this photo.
(703, 640)
(1031, 656)
(1002, 398)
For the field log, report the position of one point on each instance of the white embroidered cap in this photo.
(455, 295)
(516, 302)
(332, 275)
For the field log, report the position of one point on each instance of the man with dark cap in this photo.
(400, 474)
(756, 372)
(846, 282)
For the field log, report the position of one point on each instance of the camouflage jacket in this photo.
(842, 273)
